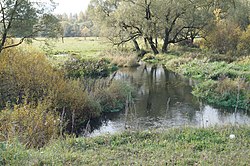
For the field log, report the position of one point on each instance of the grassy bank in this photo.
(40, 101)
(183, 146)
(223, 80)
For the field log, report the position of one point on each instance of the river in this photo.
(164, 100)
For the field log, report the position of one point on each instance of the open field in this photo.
(183, 146)
(87, 47)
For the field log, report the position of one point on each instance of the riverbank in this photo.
(40, 100)
(183, 146)
(223, 81)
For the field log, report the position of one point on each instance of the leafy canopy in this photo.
(26, 19)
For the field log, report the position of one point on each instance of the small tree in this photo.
(85, 32)
(224, 38)
(25, 19)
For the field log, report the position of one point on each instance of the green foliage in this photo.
(76, 67)
(204, 69)
(204, 89)
(149, 57)
(13, 153)
(226, 92)
(183, 146)
(26, 20)
(125, 21)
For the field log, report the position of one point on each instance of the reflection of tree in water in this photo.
(151, 82)
(165, 90)
(163, 97)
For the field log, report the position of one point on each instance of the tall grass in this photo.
(121, 58)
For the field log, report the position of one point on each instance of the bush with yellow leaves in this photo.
(27, 76)
(244, 45)
(26, 72)
(32, 124)
(224, 38)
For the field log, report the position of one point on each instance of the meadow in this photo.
(87, 47)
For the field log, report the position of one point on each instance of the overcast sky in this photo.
(71, 6)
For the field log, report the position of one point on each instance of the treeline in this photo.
(161, 23)
(77, 25)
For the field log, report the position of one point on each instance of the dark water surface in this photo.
(164, 100)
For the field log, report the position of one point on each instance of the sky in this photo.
(71, 6)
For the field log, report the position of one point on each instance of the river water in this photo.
(164, 100)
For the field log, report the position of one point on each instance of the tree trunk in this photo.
(165, 47)
(192, 39)
(4, 37)
(165, 42)
(137, 47)
(156, 42)
(146, 43)
(151, 43)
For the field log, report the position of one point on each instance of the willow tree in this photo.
(26, 19)
(168, 20)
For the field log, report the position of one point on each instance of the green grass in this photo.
(75, 45)
(182, 146)
(59, 52)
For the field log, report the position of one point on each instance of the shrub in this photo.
(27, 78)
(77, 105)
(28, 74)
(76, 67)
(244, 45)
(224, 38)
(33, 125)
(225, 92)
(14, 153)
